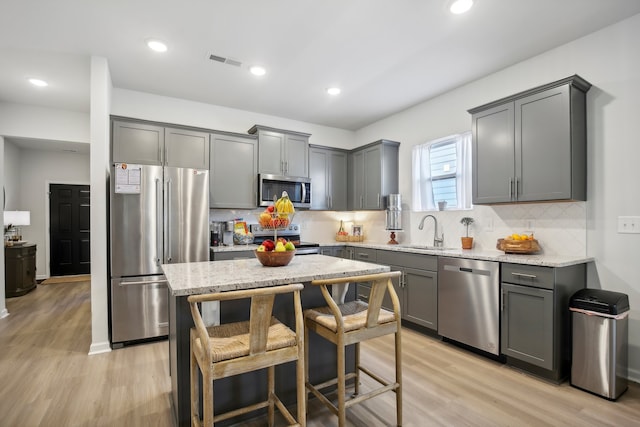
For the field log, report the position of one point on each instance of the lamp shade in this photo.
(17, 218)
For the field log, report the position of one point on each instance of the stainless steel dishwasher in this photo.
(469, 302)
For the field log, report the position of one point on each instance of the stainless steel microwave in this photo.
(270, 187)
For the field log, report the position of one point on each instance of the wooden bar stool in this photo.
(351, 323)
(235, 348)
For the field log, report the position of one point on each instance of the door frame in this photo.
(47, 223)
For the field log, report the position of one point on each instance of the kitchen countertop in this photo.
(486, 255)
(218, 276)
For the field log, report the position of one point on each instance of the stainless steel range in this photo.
(291, 233)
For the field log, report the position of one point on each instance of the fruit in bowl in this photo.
(275, 254)
(275, 258)
(277, 216)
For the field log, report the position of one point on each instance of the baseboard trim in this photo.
(99, 348)
(4, 313)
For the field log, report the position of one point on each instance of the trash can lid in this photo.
(600, 301)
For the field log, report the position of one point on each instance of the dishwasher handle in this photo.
(467, 270)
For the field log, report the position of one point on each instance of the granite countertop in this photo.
(485, 255)
(218, 276)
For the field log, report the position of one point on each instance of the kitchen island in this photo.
(205, 277)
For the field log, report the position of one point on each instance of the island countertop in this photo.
(219, 276)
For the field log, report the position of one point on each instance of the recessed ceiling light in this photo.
(157, 45)
(460, 6)
(257, 70)
(333, 91)
(38, 82)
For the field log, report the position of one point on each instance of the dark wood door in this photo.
(69, 217)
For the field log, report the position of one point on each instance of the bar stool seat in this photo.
(235, 348)
(351, 323)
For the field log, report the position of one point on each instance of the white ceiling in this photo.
(386, 55)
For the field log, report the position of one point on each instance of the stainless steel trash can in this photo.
(599, 342)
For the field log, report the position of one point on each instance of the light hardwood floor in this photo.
(47, 379)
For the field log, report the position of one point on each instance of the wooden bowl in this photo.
(275, 259)
(518, 246)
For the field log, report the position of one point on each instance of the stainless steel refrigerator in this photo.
(158, 215)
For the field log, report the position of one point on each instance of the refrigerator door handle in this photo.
(158, 259)
(168, 223)
(159, 283)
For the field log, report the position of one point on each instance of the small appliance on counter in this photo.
(394, 216)
(227, 234)
(216, 233)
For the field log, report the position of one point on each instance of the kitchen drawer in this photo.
(230, 255)
(403, 259)
(364, 254)
(528, 275)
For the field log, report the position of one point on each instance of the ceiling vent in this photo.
(224, 60)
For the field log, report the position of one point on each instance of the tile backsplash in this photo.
(560, 228)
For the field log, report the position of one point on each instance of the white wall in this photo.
(179, 111)
(28, 121)
(101, 88)
(610, 60)
(11, 168)
(3, 304)
(38, 169)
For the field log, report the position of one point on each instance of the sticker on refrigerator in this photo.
(128, 178)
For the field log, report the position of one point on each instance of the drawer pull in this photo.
(528, 276)
(363, 255)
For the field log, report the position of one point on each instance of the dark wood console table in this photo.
(19, 269)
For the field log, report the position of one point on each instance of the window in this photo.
(442, 172)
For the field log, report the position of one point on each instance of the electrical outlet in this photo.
(529, 224)
(629, 224)
(488, 225)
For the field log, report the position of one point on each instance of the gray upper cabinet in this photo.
(373, 174)
(150, 144)
(137, 143)
(186, 148)
(282, 152)
(328, 173)
(233, 171)
(532, 146)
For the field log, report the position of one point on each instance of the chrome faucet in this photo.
(437, 242)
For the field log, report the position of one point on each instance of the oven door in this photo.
(272, 186)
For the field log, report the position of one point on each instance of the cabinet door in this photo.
(270, 152)
(398, 286)
(186, 149)
(319, 159)
(421, 297)
(527, 324)
(543, 146)
(493, 155)
(233, 172)
(357, 180)
(137, 143)
(337, 181)
(296, 161)
(373, 178)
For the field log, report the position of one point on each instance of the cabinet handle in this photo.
(528, 276)
(378, 199)
(363, 255)
(403, 278)
(511, 187)
(517, 187)
(286, 167)
(361, 202)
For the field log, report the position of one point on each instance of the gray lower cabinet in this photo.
(373, 174)
(282, 152)
(231, 255)
(535, 325)
(417, 287)
(334, 251)
(328, 173)
(233, 170)
(146, 143)
(540, 138)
